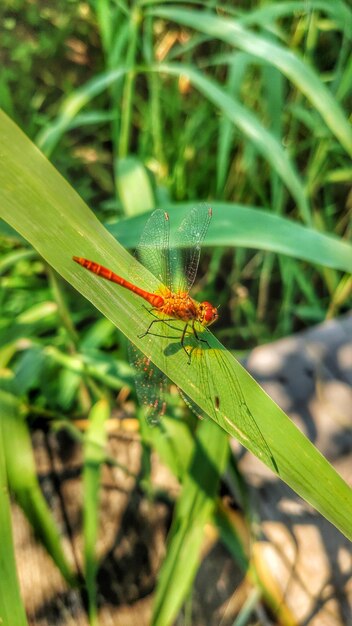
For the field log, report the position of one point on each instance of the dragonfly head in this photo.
(207, 313)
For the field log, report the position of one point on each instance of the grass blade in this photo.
(249, 227)
(193, 509)
(266, 144)
(298, 72)
(11, 606)
(267, 14)
(48, 139)
(134, 187)
(94, 457)
(41, 205)
(24, 483)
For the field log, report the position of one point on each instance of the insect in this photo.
(167, 302)
(174, 265)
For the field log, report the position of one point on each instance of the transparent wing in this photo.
(185, 248)
(153, 250)
(176, 268)
(229, 405)
(151, 385)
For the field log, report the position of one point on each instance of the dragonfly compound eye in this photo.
(208, 313)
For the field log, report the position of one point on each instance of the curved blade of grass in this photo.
(39, 203)
(174, 443)
(298, 72)
(11, 606)
(134, 186)
(94, 457)
(194, 508)
(24, 483)
(10, 259)
(249, 227)
(337, 9)
(236, 73)
(243, 226)
(50, 136)
(246, 121)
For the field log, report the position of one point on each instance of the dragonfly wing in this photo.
(227, 406)
(151, 385)
(153, 251)
(186, 246)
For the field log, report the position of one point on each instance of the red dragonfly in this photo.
(175, 267)
(171, 304)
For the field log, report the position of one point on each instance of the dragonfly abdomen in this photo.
(154, 299)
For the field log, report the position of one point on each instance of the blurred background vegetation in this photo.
(55, 60)
(256, 116)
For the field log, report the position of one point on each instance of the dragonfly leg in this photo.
(198, 337)
(158, 319)
(151, 311)
(155, 321)
(189, 353)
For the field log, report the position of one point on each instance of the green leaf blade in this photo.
(94, 456)
(51, 216)
(11, 605)
(194, 508)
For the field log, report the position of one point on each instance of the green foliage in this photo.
(24, 482)
(94, 457)
(193, 510)
(163, 104)
(11, 607)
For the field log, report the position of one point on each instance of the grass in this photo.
(142, 105)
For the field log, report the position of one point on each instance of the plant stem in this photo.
(128, 91)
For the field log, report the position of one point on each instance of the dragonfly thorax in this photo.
(181, 306)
